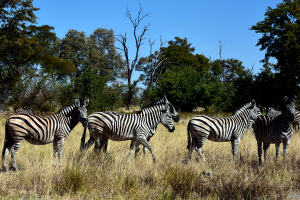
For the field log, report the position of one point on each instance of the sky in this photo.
(203, 22)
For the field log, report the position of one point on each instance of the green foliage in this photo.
(102, 55)
(182, 87)
(280, 39)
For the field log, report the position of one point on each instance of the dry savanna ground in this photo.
(112, 176)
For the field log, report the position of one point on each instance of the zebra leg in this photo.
(145, 149)
(6, 150)
(285, 146)
(191, 148)
(103, 144)
(277, 146)
(138, 147)
(60, 145)
(259, 150)
(235, 147)
(266, 149)
(198, 147)
(55, 151)
(132, 145)
(143, 141)
(14, 149)
(89, 143)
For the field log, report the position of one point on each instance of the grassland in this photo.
(112, 176)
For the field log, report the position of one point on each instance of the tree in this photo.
(183, 88)
(265, 88)
(73, 48)
(138, 42)
(151, 65)
(23, 48)
(15, 48)
(102, 55)
(281, 41)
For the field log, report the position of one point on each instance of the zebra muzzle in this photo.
(172, 129)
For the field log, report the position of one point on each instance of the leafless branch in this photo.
(138, 40)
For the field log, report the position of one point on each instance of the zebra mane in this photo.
(157, 103)
(67, 109)
(70, 108)
(241, 108)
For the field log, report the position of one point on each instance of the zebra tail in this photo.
(83, 139)
(189, 146)
(7, 140)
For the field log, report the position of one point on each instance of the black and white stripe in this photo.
(296, 123)
(40, 130)
(275, 130)
(249, 125)
(119, 127)
(175, 117)
(202, 127)
(21, 110)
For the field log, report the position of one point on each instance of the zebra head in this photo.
(174, 113)
(289, 108)
(254, 110)
(82, 111)
(166, 117)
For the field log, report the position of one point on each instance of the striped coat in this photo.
(275, 130)
(133, 143)
(202, 127)
(41, 130)
(120, 127)
(21, 110)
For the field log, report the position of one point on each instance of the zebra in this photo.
(21, 110)
(119, 127)
(296, 123)
(202, 127)
(41, 130)
(275, 130)
(175, 117)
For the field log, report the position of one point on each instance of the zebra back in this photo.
(44, 129)
(223, 129)
(21, 110)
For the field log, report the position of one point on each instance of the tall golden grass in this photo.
(112, 176)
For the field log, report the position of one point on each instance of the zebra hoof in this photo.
(3, 170)
(14, 169)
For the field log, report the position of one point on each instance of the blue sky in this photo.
(203, 23)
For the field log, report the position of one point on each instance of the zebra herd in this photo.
(273, 128)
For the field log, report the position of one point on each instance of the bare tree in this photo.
(138, 42)
(157, 64)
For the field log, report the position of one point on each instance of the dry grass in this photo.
(112, 176)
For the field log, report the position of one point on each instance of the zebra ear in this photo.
(86, 102)
(167, 106)
(165, 98)
(285, 99)
(253, 102)
(294, 99)
(77, 103)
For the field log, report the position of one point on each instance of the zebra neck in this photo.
(284, 124)
(151, 119)
(69, 116)
(243, 118)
